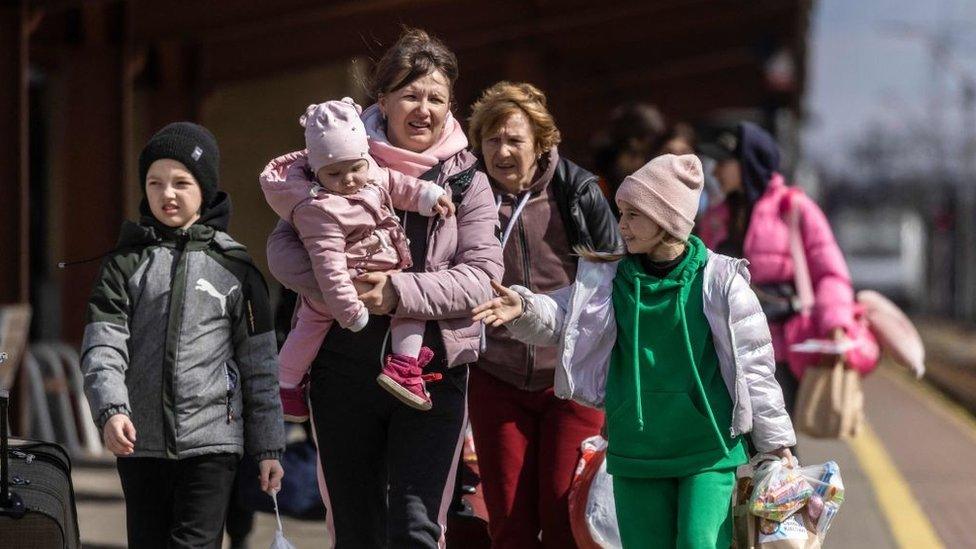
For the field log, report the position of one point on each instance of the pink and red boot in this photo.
(403, 377)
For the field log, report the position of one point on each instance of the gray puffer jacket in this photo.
(179, 337)
(580, 320)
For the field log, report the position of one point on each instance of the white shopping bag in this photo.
(592, 513)
(279, 541)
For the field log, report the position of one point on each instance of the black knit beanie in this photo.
(191, 144)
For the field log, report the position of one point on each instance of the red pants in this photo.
(528, 447)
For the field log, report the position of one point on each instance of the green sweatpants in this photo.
(687, 512)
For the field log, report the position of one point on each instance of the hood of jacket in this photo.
(287, 182)
(759, 158)
(149, 229)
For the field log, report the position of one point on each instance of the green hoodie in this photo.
(667, 405)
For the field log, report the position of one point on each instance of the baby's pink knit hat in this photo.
(334, 132)
(666, 189)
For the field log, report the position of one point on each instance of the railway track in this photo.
(950, 360)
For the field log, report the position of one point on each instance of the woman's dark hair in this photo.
(630, 124)
(638, 121)
(415, 54)
(679, 130)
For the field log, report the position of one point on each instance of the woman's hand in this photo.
(501, 310)
(119, 435)
(444, 206)
(271, 474)
(381, 298)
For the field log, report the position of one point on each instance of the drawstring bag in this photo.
(279, 541)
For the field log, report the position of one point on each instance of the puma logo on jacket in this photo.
(204, 285)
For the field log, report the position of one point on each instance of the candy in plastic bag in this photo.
(827, 496)
(780, 490)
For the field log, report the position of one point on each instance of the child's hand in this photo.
(783, 453)
(444, 206)
(119, 435)
(271, 475)
(501, 310)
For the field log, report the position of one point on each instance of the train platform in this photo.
(909, 476)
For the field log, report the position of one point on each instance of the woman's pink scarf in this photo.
(451, 142)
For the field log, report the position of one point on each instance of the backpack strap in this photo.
(801, 270)
(459, 184)
(433, 173)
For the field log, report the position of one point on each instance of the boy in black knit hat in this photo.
(179, 353)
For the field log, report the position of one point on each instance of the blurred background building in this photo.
(86, 83)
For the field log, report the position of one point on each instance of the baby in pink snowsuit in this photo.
(341, 204)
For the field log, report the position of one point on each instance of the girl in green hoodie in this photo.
(670, 393)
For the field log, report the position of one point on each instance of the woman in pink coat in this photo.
(389, 469)
(752, 223)
(341, 203)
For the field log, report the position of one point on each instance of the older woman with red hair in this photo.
(528, 439)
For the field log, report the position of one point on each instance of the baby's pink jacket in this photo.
(346, 235)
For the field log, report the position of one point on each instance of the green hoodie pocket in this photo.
(673, 428)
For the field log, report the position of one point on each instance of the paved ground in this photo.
(910, 479)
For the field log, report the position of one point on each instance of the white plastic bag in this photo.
(279, 541)
(593, 516)
(795, 505)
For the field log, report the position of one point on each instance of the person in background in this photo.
(751, 223)
(679, 139)
(633, 135)
(528, 440)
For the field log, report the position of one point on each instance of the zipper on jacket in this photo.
(530, 362)
(176, 304)
(735, 359)
(231, 379)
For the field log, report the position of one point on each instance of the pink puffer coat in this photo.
(767, 247)
(463, 253)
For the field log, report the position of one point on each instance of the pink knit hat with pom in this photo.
(334, 132)
(666, 189)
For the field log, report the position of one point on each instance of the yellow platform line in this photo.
(908, 523)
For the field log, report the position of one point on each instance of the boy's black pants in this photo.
(177, 503)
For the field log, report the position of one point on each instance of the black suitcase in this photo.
(37, 499)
